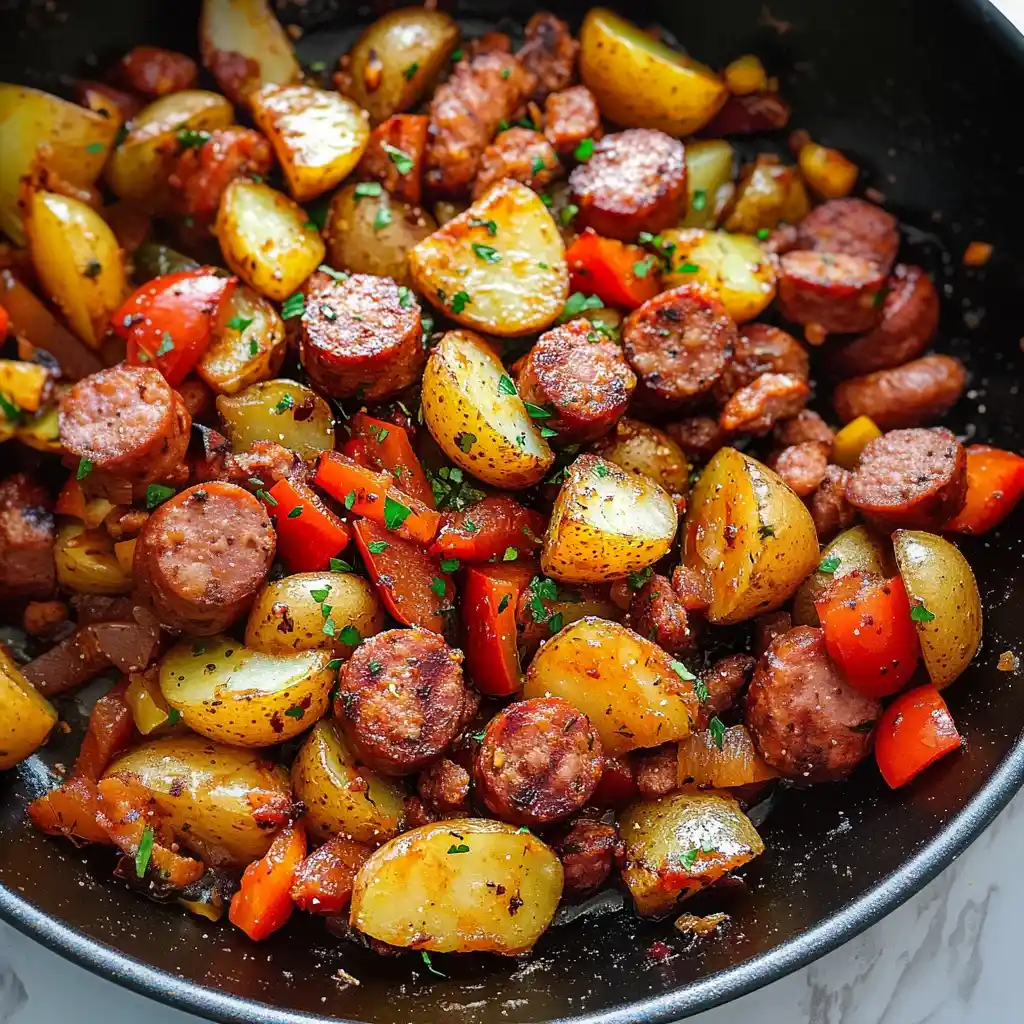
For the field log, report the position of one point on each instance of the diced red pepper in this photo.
(264, 902)
(323, 883)
(609, 269)
(71, 500)
(915, 730)
(5, 322)
(488, 529)
(308, 539)
(995, 484)
(385, 446)
(168, 322)
(110, 729)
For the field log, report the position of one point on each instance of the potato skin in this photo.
(644, 450)
(497, 896)
(87, 563)
(26, 717)
(708, 171)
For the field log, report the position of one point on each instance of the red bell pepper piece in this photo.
(110, 729)
(307, 540)
(915, 730)
(264, 902)
(5, 322)
(371, 494)
(71, 500)
(168, 322)
(323, 883)
(869, 633)
(409, 579)
(385, 446)
(995, 483)
(608, 268)
(488, 529)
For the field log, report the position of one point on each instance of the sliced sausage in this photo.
(27, 536)
(570, 116)
(756, 408)
(806, 722)
(359, 338)
(852, 227)
(155, 72)
(540, 760)
(802, 466)
(767, 627)
(836, 293)
(754, 112)
(402, 699)
(323, 882)
(201, 557)
(699, 436)
(679, 343)
(785, 238)
(693, 589)
(588, 850)
(490, 42)
(724, 682)
(398, 136)
(905, 396)
(759, 349)
(655, 771)
(634, 181)
(549, 54)
(911, 479)
(259, 467)
(830, 510)
(658, 613)
(444, 785)
(805, 426)
(910, 315)
(521, 154)
(585, 383)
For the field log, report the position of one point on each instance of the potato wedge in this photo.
(287, 614)
(679, 844)
(232, 694)
(267, 412)
(607, 522)
(735, 267)
(318, 136)
(701, 762)
(35, 128)
(768, 194)
(639, 82)
(625, 684)
(78, 262)
(244, 46)
(944, 600)
(86, 563)
(344, 798)
(499, 896)
(647, 452)
(266, 238)
(26, 716)
(26, 385)
(397, 60)
(709, 165)
(217, 799)
(510, 282)
(41, 430)
(472, 409)
(748, 535)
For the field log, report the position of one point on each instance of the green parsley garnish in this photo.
(409, 72)
(144, 852)
(377, 547)
(239, 323)
(254, 347)
(383, 218)
(643, 267)
(94, 148)
(85, 467)
(537, 412)
(555, 622)
(479, 222)
(405, 297)
(682, 671)
(510, 555)
(190, 139)
(688, 268)
(505, 385)
(578, 303)
(566, 215)
(449, 564)
(320, 594)
(465, 441)
(461, 848)
(340, 565)
(395, 513)
(637, 579)
(503, 603)
(601, 471)
(286, 402)
(700, 689)
(349, 635)
(267, 497)
(717, 730)
(337, 275)
(430, 967)
(829, 565)
(460, 300)
(334, 663)
(438, 587)
(538, 165)
(294, 305)
(763, 233)
(368, 188)
(157, 494)
(350, 500)
(166, 345)
(585, 150)
(295, 712)
(700, 199)
(402, 161)
(295, 512)
(919, 613)
(10, 410)
(173, 716)
(487, 253)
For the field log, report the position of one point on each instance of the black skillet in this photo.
(924, 96)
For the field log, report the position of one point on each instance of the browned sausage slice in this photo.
(806, 722)
(724, 683)
(802, 466)
(201, 557)
(27, 536)
(634, 181)
(759, 349)
(830, 510)
(588, 850)
(549, 54)
(806, 425)
(912, 479)
(699, 436)
(905, 396)
(540, 760)
(445, 785)
(756, 408)
(521, 154)
(657, 612)
(853, 227)
(570, 116)
(402, 699)
(836, 293)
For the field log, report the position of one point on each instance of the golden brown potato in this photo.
(701, 762)
(41, 430)
(767, 195)
(708, 174)
(267, 412)
(646, 451)
(26, 385)
(86, 562)
(26, 717)
(149, 709)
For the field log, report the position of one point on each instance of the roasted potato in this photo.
(944, 600)
(232, 694)
(607, 522)
(26, 385)
(648, 452)
(767, 195)
(626, 685)
(639, 82)
(318, 135)
(499, 267)
(343, 798)
(679, 844)
(397, 60)
(86, 563)
(287, 615)
(568, 606)
(471, 407)
(369, 231)
(267, 412)
(78, 261)
(708, 172)
(701, 762)
(748, 535)
(218, 800)
(266, 238)
(498, 897)
(41, 430)
(26, 717)
(149, 709)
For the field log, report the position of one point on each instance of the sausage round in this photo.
(402, 699)
(829, 508)
(548, 54)
(759, 349)
(912, 479)
(724, 682)
(570, 116)
(521, 154)
(358, 338)
(585, 384)
(27, 537)
(806, 425)
(905, 396)
(540, 760)
(588, 850)
(201, 557)
(755, 408)
(802, 466)
(806, 722)
(444, 785)
(699, 436)
(154, 72)
(679, 344)
(657, 612)
(910, 315)
(853, 227)
(837, 293)
(634, 181)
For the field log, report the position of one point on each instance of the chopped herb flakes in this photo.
(567, 214)
(487, 253)
(829, 565)
(286, 402)
(295, 512)
(438, 587)
(503, 603)
(479, 222)
(166, 345)
(505, 385)
(144, 852)
(402, 161)
(682, 671)
(717, 730)
(294, 305)
(578, 303)
(449, 564)
(409, 72)
(340, 565)
(395, 513)
(239, 323)
(377, 547)
(700, 200)
(191, 139)
(461, 848)
(460, 300)
(349, 635)
(383, 218)
(85, 467)
(368, 188)
(510, 555)
(157, 494)
(637, 579)
(919, 613)
(465, 441)
(585, 150)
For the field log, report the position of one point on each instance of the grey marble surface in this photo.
(948, 956)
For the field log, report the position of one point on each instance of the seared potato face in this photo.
(423, 889)
(267, 412)
(87, 563)
(606, 523)
(646, 451)
(708, 174)
(499, 267)
(26, 717)
(229, 693)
